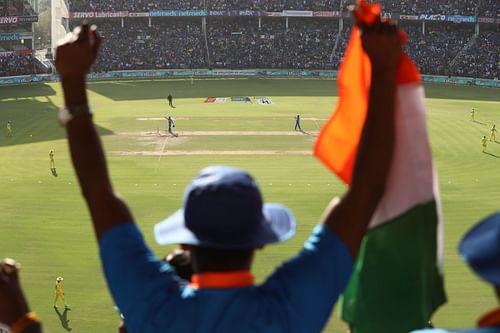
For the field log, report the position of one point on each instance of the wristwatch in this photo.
(4, 328)
(69, 112)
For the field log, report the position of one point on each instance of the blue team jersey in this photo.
(298, 297)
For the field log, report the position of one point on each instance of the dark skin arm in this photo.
(13, 304)
(349, 217)
(76, 53)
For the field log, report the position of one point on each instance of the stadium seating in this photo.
(145, 5)
(307, 43)
(489, 8)
(166, 44)
(19, 64)
(16, 8)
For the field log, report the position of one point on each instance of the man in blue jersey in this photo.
(170, 124)
(224, 220)
(480, 248)
(297, 123)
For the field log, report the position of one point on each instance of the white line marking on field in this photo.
(161, 155)
(317, 126)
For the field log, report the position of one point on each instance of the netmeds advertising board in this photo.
(178, 13)
(10, 36)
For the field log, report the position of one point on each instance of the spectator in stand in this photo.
(480, 248)
(224, 221)
(12, 64)
(16, 8)
(489, 8)
(482, 59)
(434, 51)
(164, 45)
(146, 5)
(447, 7)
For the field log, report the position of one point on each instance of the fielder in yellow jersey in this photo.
(9, 129)
(484, 141)
(59, 292)
(52, 163)
(493, 134)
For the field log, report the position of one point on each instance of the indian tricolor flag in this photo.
(397, 282)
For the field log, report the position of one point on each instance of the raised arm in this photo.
(349, 217)
(14, 309)
(74, 57)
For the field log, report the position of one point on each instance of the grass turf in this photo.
(45, 224)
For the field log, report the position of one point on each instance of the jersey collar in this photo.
(491, 319)
(222, 280)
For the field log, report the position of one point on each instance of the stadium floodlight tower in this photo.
(60, 21)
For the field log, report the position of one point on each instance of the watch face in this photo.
(4, 328)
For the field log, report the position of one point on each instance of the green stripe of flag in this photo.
(397, 258)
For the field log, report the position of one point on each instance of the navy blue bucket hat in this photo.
(223, 208)
(480, 248)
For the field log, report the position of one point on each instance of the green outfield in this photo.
(45, 224)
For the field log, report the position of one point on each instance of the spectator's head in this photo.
(480, 248)
(224, 220)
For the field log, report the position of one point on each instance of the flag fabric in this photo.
(397, 281)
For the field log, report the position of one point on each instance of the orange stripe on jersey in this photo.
(491, 319)
(222, 280)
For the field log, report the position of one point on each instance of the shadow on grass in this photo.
(203, 88)
(309, 133)
(495, 156)
(226, 87)
(33, 120)
(63, 317)
(478, 122)
(473, 93)
(24, 91)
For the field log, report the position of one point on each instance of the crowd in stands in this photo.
(490, 8)
(434, 51)
(19, 64)
(241, 43)
(481, 60)
(15, 8)
(306, 44)
(146, 5)
(455, 7)
(166, 44)
(207, 284)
